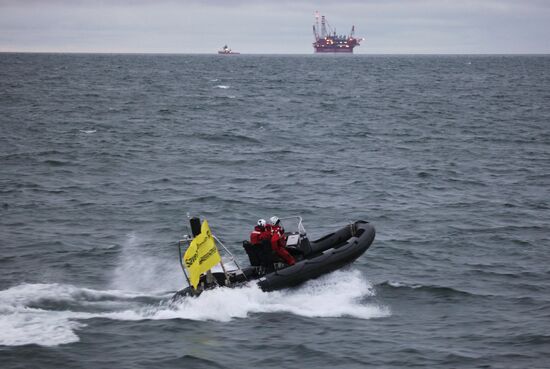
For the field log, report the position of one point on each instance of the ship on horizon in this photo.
(329, 42)
(227, 51)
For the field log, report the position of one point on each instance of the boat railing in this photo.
(184, 243)
(231, 256)
(298, 219)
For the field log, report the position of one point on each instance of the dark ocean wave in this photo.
(226, 138)
(185, 361)
(439, 291)
(503, 276)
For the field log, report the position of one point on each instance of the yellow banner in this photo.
(201, 255)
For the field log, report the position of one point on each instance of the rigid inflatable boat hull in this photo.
(326, 255)
(327, 261)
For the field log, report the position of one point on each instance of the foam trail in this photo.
(335, 295)
(22, 322)
(24, 319)
(37, 326)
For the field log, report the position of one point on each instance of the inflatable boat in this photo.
(313, 259)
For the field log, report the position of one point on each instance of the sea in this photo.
(103, 157)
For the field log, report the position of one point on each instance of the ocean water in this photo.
(103, 156)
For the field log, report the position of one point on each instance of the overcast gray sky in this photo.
(284, 26)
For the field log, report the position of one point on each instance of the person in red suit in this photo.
(260, 233)
(278, 241)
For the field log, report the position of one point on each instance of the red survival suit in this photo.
(259, 234)
(278, 243)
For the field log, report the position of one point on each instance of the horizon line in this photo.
(259, 54)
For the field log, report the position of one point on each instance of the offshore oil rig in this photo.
(329, 42)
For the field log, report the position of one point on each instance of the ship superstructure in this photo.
(227, 51)
(327, 41)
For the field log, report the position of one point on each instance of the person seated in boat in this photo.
(276, 225)
(260, 240)
(260, 233)
(278, 241)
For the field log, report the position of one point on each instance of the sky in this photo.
(274, 27)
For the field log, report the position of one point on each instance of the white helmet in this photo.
(274, 220)
(261, 222)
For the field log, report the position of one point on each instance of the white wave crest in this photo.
(404, 284)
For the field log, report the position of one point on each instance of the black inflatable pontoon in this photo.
(313, 259)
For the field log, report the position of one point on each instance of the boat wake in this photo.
(338, 294)
(51, 314)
